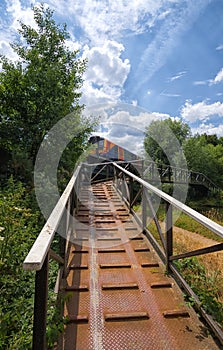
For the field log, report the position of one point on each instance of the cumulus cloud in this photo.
(209, 129)
(18, 12)
(124, 124)
(15, 11)
(92, 94)
(106, 72)
(106, 65)
(101, 27)
(139, 121)
(201, 110)
(6, 49)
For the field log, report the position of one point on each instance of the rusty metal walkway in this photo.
(117, 294)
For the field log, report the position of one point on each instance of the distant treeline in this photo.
(202, 153)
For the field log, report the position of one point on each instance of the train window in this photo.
(101, 144)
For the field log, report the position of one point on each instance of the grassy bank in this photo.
(203, 273)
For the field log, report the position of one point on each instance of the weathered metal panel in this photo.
(118, 294)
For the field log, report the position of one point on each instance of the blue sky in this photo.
(163, 57)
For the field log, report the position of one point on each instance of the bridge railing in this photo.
(124, 181)
(167, 173)
(39, 256)
(159, 173)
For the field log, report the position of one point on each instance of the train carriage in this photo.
(110, 151)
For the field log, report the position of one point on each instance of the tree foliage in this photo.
(203, 153)
(163, 138)
(40, 88)
(36, 92)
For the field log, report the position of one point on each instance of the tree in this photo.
(39, 89)
(163, 140)
(205, 155)
(210, 139)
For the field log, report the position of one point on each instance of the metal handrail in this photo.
(204, 179)
(38, 257)
(184, 172)
(37, 254)
(213, 226)
(167, 253)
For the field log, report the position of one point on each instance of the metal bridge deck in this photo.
(117, 293)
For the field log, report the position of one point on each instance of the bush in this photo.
(204, 285)
(19, 226)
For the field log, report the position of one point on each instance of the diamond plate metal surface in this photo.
(111, 306)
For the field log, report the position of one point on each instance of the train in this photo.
(110, 151)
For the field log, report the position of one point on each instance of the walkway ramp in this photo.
(117, 295)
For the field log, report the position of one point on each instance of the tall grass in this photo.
(203, 273)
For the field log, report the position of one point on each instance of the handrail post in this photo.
(40, 307)
(144, 202)
(169, 234)
(144, 209)
(130, 193)
(107, 172)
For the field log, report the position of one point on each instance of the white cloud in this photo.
(106, 73)
(106, 65)
(209, 129)
(166, 94)
(5, 48)
(141, 120)
(220, 47)
(124, 124)
(219, 77)
(18, 12)
(216, 80)
(72, 44)
(200, 82)
(101, 20)
(177, 76)
(127, 130)
(167, 37)
(201, 110)
(103, 94)
(15, 11)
